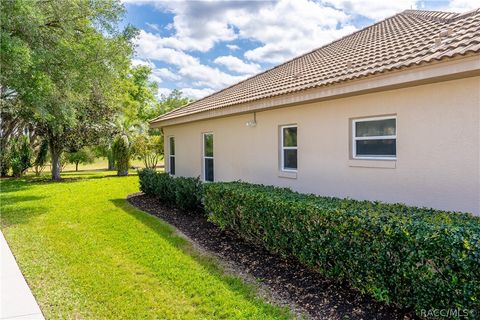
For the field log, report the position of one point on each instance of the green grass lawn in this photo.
(86, 253)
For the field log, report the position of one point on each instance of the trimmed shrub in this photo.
(416, 258)
(160, 185)
(184, 193)
(164, 188)
(147, 180)
(188, 193)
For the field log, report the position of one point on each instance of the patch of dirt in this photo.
(282, 281)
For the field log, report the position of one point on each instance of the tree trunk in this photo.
(56, 152)
(76, 166)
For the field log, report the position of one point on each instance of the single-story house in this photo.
(388, 113)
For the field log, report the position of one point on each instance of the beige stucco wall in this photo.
(438, 147)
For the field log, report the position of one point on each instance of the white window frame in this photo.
(204, 157)
(282, 148)
(355, 138)
(170, 155)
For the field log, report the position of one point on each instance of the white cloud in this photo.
(206, 76)
(372, 9)
(155, 78)
(196, 93)
(163, 92)
(192, 93)
(233, 47)
(284, 28)
(160, 74)
(153, 26)
(237, 65)
(150, 46)
(462, 5)
(305, 25)
(199, 25)
(166, 73)
(140, 62)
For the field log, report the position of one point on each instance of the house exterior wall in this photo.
(438, 147)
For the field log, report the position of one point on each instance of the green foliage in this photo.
(170, 102)
(149, 149)
(188, 193)
(20, 156)
(64, 60)
(5, 164)
(121, 154)
(14, 122)
(84, 156)
(139, 101)
(416, 258)
(184, 193)
(156, 184)
(147, 178)
(41, 158)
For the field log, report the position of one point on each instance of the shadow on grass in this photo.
(12, 185)
(15, 209)
(17, 184)
(209, 264)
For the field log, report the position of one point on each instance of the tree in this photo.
(139, 101)
(170, 102)
(121, 154)
(149, 149)
(84, 156)
(64, 59)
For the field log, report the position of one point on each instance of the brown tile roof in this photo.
(409, 38)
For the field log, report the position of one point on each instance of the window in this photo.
(289, 148)
(171, 158)
(208, 157)
(375, 138)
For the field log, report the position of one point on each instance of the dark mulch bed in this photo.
(294, 284)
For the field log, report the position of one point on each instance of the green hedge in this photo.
(413, 257)
(184, 193)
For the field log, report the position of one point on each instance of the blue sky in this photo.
(201, 47)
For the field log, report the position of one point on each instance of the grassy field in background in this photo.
(87, 254)
(99, 164)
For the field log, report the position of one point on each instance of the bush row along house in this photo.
(388, 113)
